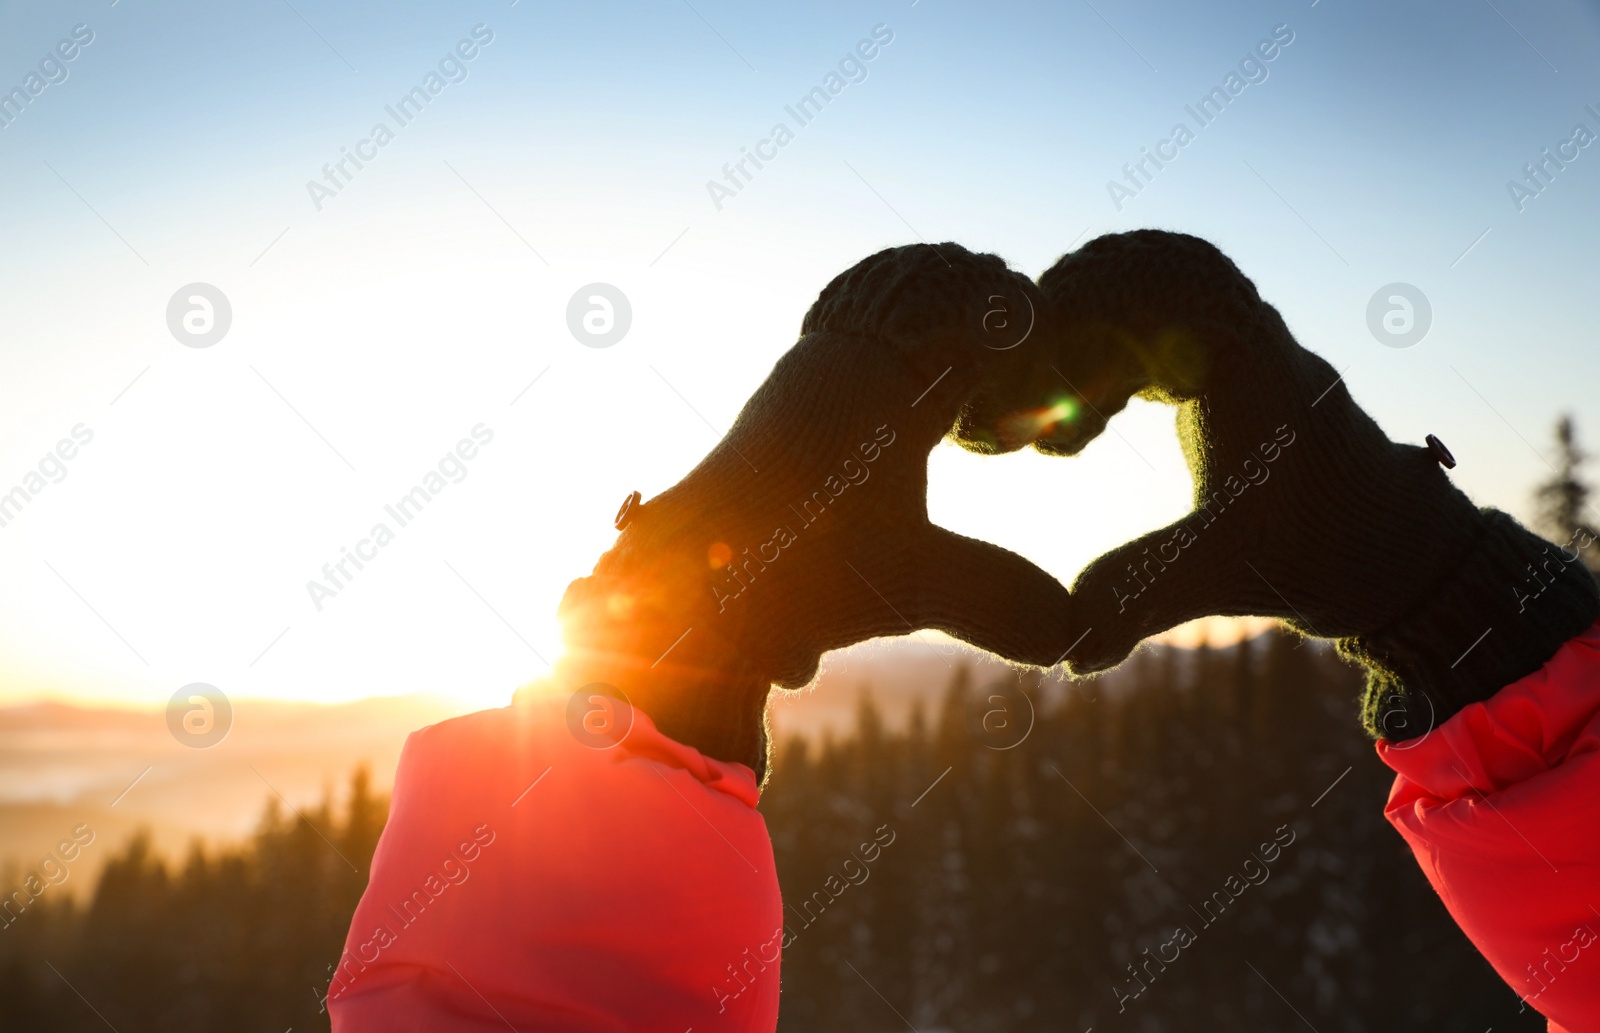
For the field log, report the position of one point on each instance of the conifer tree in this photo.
(1564, 512)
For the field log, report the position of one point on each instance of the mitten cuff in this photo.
(693, 683)
(1510, 602)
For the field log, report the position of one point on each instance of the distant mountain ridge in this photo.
(118, 769)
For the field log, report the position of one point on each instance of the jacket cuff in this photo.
(1498, 615)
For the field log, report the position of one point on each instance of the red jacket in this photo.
(1501, 805)
(530, 879)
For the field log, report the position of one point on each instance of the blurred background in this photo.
(270, 263)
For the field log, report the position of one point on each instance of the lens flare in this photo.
(1065, 410)
(1032, 424)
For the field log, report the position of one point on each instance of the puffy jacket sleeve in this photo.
(537, 876)
(1501, 805)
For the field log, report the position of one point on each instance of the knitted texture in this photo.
(806, 528)
(1303, 509)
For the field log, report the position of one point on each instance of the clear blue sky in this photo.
(371, 335)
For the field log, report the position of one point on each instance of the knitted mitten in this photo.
(806, 528)
(1303, 509)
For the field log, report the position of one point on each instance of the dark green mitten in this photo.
(1304, 510)
(806, 529)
